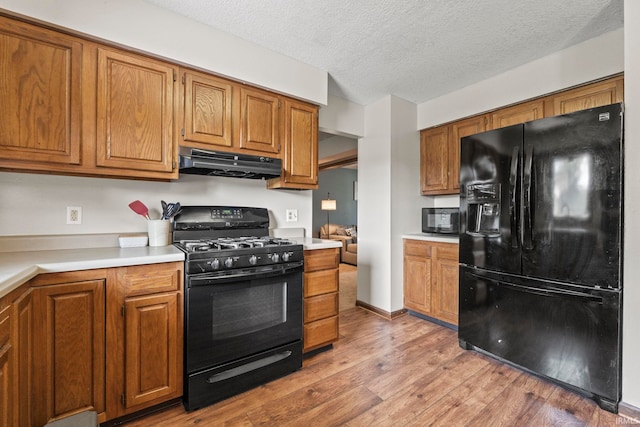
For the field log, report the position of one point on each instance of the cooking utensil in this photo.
(138, 207)
(172, 210)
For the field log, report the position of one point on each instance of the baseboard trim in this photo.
(382, 313)
(629, 411)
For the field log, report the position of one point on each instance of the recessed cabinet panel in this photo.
(260, 122)
(40, 89)
(134, 112)
(434, 160)
(590, 96)
(207, 110)
(301, 139)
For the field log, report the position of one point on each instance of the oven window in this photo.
(242, 311)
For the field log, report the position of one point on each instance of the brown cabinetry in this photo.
(41, 95)
(431, 279)
(135, 100)
(259, 121)
(6, 369)
(108, 340)
(440, 155)
(321, 286)
(69, 327)
(145, 318)
(605, 92)
(207, 110)
(517, 114)
(300, 162)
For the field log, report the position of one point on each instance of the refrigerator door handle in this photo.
(527, 241)
(513, 178)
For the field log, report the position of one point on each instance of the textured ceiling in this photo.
(414, 49)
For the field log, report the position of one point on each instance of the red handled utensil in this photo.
(138, 207)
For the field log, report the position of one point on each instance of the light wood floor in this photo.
(405, 372)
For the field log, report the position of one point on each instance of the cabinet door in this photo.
(434, 160)
(152, 348)
(7, 398)
(517, 114)
(207, 110)
(417, 284)
(445, 284)
(459, 130)
(135, 98)
(69, 365)
(259, 121)
(40, 91)
(23, 357)
(300, 165)
(589, 96)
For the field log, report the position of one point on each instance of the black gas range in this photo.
(243, 302)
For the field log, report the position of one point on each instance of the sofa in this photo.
(347, 234)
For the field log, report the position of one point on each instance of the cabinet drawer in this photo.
(321, 259)
(320, 282)
(320, 307)
(322, 332)
(149, 279)
(447, 252)
(5, 326)
(417, 248)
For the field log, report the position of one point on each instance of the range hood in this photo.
(215, 163)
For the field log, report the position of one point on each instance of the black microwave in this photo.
(441, 220)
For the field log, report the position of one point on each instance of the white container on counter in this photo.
(159, 231)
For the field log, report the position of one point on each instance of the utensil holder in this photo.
(159, 232)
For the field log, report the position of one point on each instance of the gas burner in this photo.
(222, 243)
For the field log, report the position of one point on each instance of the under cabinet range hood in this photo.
(215, 163)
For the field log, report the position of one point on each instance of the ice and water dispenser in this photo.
(483, 209)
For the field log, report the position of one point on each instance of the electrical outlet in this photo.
(292, 215)
(74, 215)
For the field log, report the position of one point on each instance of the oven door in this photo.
(241, 314)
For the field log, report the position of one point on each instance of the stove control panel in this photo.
(198, 263)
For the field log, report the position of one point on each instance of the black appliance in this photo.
(214, 163)
(243, 302)
(541, 248)
(441, 220)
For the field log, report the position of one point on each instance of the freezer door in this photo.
(568, 334)
(490, 180)
(572, 188)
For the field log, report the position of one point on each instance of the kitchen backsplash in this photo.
(37, 204)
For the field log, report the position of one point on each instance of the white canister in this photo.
(159, 231)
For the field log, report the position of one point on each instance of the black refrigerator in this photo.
(541, 248)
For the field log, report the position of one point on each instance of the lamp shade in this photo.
(328, 205)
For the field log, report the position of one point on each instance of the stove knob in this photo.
(228, 262)
(215, 264)
(286, 256)
(275, 257)
(253, 260)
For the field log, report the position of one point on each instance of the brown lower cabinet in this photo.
(431, 279)
(321, 286)
(105, 340)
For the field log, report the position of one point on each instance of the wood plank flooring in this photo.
(405, 372)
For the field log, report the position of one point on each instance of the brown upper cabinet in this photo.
(207, 110)
(135, 97)
(260, 121)
(78, 106)
(300, 134)
(440, 155)
(42, 96)
(440, 145)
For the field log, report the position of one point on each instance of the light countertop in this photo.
(310, 243)
(18, 267)
(433, 237)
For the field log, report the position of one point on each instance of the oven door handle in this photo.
(207, 279)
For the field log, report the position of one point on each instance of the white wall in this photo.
(406, 200)
(342, 117)
(590, 60)
(374, 207)
(36, 204)
(144, 26)
(631, 292)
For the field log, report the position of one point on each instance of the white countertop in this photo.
(433, 237)
(310, 243)
(18, 267)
